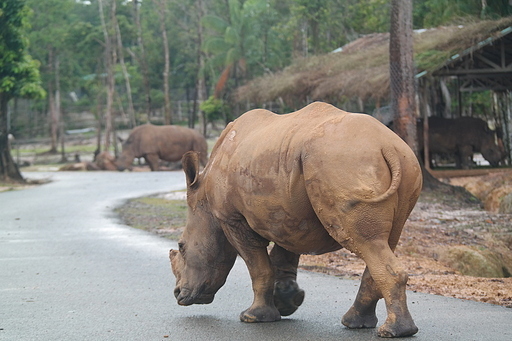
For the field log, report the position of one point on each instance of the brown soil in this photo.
(441, 234)
(440, 222)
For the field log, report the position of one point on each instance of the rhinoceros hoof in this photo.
(260, 314)
(406, 328)
(288, 297)
(352, 319)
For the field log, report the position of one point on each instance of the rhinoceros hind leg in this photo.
(397, 330)
(260, 314)
(362, 312)
(288, 296)
(390, 281)
(355, 320)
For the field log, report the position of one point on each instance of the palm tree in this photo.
(231, 43)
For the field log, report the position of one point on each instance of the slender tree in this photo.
(126, 75)
(109, 61)
(49, 25)
(200, 79)
(141, 56)
(160, 5)
(19, 76)
(53, 113)
(403, 92)
(231, 43)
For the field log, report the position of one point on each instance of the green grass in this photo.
(10, 186)
(155, 214)
(68, 149)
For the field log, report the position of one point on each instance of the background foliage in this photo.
(238, 40)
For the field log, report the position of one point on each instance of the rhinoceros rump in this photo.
(155, 143)
(312, 181)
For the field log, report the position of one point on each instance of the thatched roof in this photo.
(361, 69)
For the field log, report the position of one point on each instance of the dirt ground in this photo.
(445, 240)
(439, 223)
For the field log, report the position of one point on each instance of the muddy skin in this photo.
(155, 143)
(323, 179)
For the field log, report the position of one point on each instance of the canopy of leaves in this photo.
(19, 73)
(214, 108)
(242, 40)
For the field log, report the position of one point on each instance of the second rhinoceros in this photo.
(461, 137)
(154, 143)
(312, 181)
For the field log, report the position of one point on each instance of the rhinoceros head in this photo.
(492, 148)
(124, 161)
(205, 257)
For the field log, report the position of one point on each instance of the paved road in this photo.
(69, 270)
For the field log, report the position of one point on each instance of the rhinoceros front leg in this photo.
(287, 294)
(253, 250)
(152, 160)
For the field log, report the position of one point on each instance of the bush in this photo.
(215, 109)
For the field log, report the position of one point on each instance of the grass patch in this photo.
(68, 149)
(6, 186)
(155, 214)
(11, 186)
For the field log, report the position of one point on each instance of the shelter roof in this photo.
(484, 66)
(361, 68)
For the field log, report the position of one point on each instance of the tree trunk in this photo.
(8, 169)
(200, 81)
(114, 141)
(142, 58)
(110, 76)
(447, 99)
(304, 37)
(484, 9)
(403, 94)
(131, 110)
(60, 122)
(161, 16)
(99, 109)
(402, 72)
(54, 119)
(314, 24)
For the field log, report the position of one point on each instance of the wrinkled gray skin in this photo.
(312, 182)
(155, 143)
(461, 138)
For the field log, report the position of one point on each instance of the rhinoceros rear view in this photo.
(312, 181)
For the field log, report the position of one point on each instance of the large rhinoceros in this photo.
(312, 181)
(155, 143)
(461, 137)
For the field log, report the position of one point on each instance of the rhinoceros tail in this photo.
(395, 167)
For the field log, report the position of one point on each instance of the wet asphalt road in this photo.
(69, 270)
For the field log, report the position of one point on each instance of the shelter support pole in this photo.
(459, 99)
(507, 126)
(426, 112)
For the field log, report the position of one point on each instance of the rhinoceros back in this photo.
(348, 148)
(278, 168)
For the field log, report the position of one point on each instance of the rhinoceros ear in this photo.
(190, 162)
